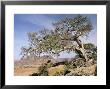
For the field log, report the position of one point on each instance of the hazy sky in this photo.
(24, 23)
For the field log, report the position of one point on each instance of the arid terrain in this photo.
(27, 67)
(50, 67)
(45, 54)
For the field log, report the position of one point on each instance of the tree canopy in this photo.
(65, 37)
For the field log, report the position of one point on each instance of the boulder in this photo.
(84, 71)
(57, 70)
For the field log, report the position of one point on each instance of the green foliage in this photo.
(79, 63)
(91, 51)
(49, 65)
(43, 70)
(69, 65)
(89, 46)
(62, 38)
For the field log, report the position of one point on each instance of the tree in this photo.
(91, 50)
(65, 37)
(72, 29)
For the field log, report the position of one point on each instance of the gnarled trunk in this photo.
(80, 49)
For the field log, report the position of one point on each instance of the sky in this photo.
(24, 23)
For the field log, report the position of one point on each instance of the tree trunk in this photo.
(80, 49)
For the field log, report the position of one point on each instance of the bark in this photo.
(80, 49)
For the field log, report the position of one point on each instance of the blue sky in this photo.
(24, 23)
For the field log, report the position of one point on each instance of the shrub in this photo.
(79, 63)
(43, 70)
(69, 65)
(49, 65)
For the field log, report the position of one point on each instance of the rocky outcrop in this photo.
(83, 71)
(56, 71)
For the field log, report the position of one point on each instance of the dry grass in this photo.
(58, 70)
(27, 67)
(24, 71)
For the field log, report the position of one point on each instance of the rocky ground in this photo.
(50, 67)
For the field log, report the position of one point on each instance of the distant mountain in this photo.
(65, 59)
(47, 57)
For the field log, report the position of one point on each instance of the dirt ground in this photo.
(24, 71)
(27, 67)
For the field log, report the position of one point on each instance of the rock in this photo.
(90, 62)
(83, 71)
(55, 71)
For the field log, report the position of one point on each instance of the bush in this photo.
(49, 65)
(78, 63)
(74, 63)
(43, 70)
(69, 65)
